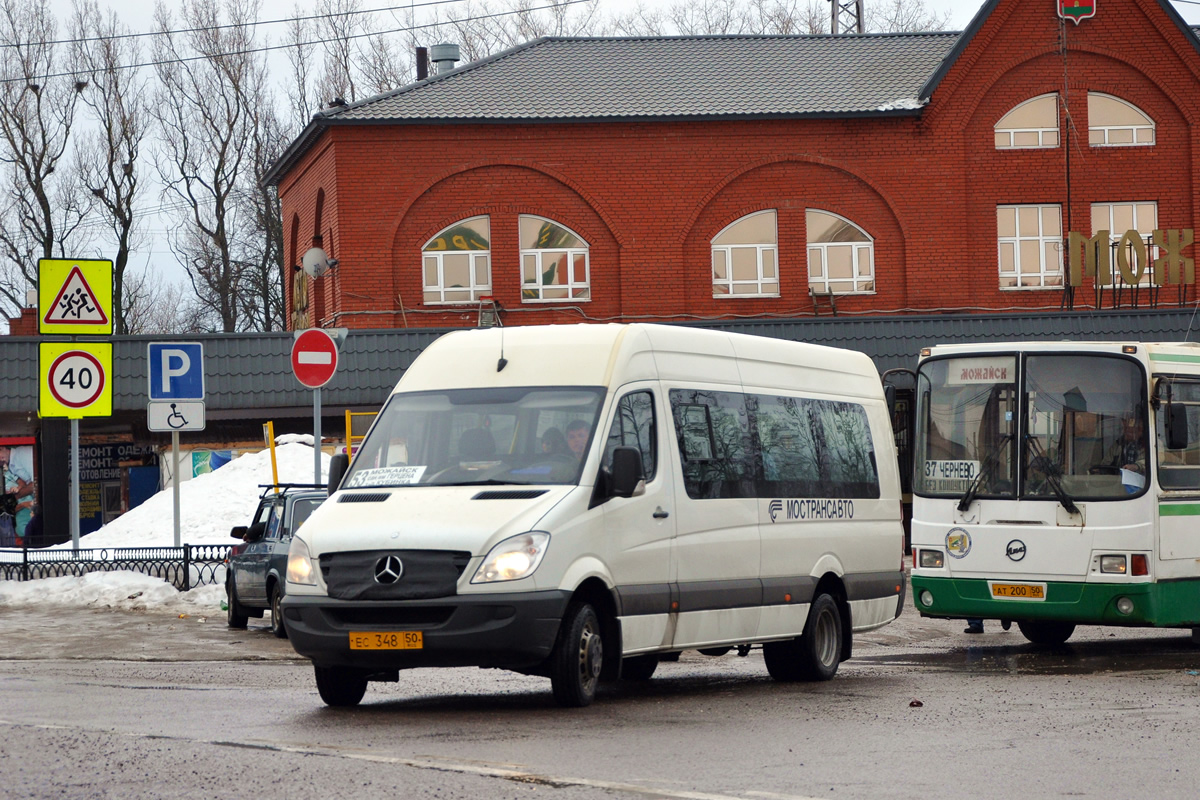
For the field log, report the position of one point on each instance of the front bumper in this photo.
(1066, 601)
(511, 631)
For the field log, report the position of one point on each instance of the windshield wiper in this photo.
(485, 482)
(1042, 463)
(985, 470)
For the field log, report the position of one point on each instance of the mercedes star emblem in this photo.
(388, 570)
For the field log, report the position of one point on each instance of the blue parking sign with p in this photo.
(176, 370)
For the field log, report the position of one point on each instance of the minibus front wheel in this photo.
(340, 687)
(815, 655)
(577, 658)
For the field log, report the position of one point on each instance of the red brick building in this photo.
(724, 177)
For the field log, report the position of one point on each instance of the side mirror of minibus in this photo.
(239, 532)
(1177, 427)
(337, 470)
(626, 472)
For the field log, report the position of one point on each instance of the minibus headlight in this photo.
(514, 558)
(299, 564)
(1113, 564)
(933, 559)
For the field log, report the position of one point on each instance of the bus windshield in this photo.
(1073, 429)
(461, 437)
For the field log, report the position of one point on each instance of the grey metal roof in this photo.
(243, 373)
(246, 374)
(695, 77)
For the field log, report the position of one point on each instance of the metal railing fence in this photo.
(183, 567)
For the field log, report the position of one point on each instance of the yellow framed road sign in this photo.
(76, 379)
(75, 296)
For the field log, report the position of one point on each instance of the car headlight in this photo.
(515, 558)
(299, 564)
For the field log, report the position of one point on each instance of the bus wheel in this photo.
(815, 655)
(639, 668)
(577, 657)
(1047, 632)
(340, 687)
(1196, 635)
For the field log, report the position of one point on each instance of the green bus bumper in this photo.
(1165, 604)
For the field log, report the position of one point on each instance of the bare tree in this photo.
(153, 306)
(903, 16)
(205, 108)
(41, 208)
(300, 91)
(107, 154)
(262, 291)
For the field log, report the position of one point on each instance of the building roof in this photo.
(696, 77)
(247, 375)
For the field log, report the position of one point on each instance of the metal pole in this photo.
(317, 435)
(74, 507)
(175, 481)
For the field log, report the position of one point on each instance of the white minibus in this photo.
(580, 501)
(1058, 484)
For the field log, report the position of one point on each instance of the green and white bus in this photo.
(1058, 484)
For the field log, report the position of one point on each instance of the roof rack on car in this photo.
(267, 487)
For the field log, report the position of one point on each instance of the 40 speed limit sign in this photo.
(76, 380)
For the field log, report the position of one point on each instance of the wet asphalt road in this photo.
(104, 704)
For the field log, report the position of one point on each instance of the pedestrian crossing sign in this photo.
(75, 296)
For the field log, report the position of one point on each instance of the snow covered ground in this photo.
(209, 506)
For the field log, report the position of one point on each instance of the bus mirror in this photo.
(1177, 427)
(889, 394)
(338, 465)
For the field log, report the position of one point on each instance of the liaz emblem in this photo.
(958, 542)
(1076, 10)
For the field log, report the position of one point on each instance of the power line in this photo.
(269, 48)
(83, 40)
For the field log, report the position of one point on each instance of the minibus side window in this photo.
(713, 429)
(815, 448)
(634, 426)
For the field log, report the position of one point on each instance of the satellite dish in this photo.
(316, 263)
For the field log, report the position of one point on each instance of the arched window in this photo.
(554, 262)
(745, 257)
(1033, 123)
(1112, 122)
(841, 256)
(457, 263)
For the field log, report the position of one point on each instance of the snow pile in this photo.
(209, 505)
(124, 591)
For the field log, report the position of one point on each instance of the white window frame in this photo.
(1108, 129)
(1041, 132)
(1045, 271)
(727, 249)
(477, 290)
(862, 251)
(1114, 236)
(571, 285)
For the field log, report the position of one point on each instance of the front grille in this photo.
(426, 574)
(417, 616)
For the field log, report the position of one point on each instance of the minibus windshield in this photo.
(465, 437)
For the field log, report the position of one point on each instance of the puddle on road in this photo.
(1073, 658)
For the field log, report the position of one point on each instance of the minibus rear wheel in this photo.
(577, 657)
(1048, 632)
(815, 655)
(341, 687)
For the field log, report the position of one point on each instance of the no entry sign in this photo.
(314, 358)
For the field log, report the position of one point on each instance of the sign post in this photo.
(314, 361)
(176, 399)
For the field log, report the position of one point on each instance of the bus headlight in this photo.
(932, 559)
(299, 564)
(926, 598)
(1114, 565)
(1125, 605)
(515, 558)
